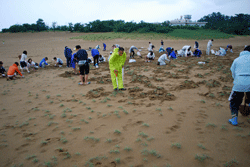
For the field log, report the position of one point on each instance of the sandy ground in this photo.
(167, 116)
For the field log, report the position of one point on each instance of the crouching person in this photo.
(58, 62)
(241, 74)
(150, 56)
(43, 62)
(102, 59)
(197, 53)
(11, 74)
(2, 70)
(162, 59)
(31, 64)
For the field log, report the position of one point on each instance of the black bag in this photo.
(244, 110)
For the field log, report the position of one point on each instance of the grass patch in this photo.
(143, 134)
(114, 151)
(117, 131)
(118, 160)
(210, 124)
(201, 146)
(63, 140)
(201, 158)
(91, 138)
(177, 145)
(198, 34)
(230, 163)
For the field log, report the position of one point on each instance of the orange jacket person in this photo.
(12, 70)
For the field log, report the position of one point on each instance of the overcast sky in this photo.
(75, 11)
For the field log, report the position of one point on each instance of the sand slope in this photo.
(47, 119)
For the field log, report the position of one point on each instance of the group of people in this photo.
(240, 67)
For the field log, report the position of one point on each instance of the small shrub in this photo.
(177, 145)
(117, 131)
(201, 158)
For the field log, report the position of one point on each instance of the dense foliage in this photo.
(238, 24)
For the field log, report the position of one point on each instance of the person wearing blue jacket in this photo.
(241, 75)
(161, 50)
(173, 54)
(43, 62)
(95, 54)
(73, 63)
(104, 47)
(68, 54)
(197, 53)
(169, 50)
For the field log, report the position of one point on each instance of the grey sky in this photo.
(65, 11)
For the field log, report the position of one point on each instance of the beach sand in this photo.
(167, 116)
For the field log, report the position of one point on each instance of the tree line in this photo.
(238, 25)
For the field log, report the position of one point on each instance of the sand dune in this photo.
(167, 116)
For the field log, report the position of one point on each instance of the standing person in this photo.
(81, 58)
(162, 44)
(150, 46)
(116, 64)
(11, 74)
(23, 61)
(43, 62)
(241, 74)
(132, 52)
(229, 47)
(196, 45)
(104, 47)
(197, 53)
(209, 44)
(162, 59)
(73, 63)
(68, 55)
(95, 54)
(58, 62)
(2, 70)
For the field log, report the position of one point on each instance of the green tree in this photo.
(40, 25)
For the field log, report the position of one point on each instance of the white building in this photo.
(186, 21)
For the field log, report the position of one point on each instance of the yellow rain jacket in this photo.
(116, 62)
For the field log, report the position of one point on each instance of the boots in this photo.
(233, 121)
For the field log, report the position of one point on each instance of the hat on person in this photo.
(110, 52)
(1, 62)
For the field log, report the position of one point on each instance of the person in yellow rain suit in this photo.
(116, 63)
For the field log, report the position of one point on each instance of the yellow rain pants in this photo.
(116, 62)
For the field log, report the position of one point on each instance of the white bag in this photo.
(212, 51)
(132, 61)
